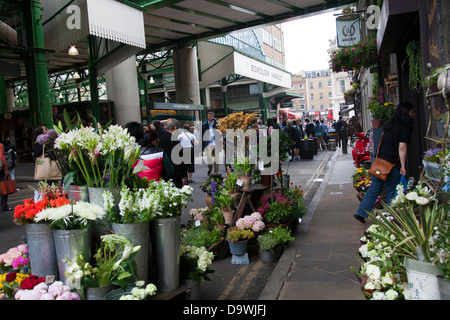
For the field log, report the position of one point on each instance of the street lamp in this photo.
(152, 81)
(73, 51)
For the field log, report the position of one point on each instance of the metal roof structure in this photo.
(167, 24)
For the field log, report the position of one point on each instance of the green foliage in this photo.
(274, 237)
(201, 236)
(362, 54)
(235, 235)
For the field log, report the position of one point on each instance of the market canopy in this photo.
(166, 24)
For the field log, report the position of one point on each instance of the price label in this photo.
(239, 182)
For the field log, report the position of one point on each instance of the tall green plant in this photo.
(412, 236)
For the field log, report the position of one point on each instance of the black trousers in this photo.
(3, 198)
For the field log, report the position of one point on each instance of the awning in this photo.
(281, 96)
(285, 114)
(218, 61)
(395, 21)
(120, 24)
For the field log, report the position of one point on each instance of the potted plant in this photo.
(349, 95)
(40, 241)
(381, 273)
(238, 240)
(243, 169)
(412, 239)
(138, 292)
(253, 222)
(272, 243)
(440, 246)
(381, 113)
(362, 54)
(114, 265)
(165, 232)
(195, 266)
(276, 209)
(432, 162)
(210, 186)
(225, 202)
(71, 224)
(131, 219)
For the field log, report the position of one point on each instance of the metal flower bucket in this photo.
(69, 244)
(96, 197)
(138, 234)
(41, 249)
(165, 239)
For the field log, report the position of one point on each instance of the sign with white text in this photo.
(348, 30)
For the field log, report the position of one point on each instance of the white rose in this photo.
(422, 201)
(391, 294)
(412, 196)
(373, 271)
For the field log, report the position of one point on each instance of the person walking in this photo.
(209, 143)
(397, 134)
(4, 172)
(341, 128)
(318, 133)
(294, 134)
(325, 133)
(168, 143)
(188, 141)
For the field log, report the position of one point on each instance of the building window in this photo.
(312, 96)
(341, 86)
(311, 85)
(300, 85)
(330, 95)
(329, 84)
(320, 85)
(292, 86)
(302, 107)
(321, 96)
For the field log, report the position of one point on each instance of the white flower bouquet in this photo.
(139, 292)
(171, 198)
(382, 268)
(71, 216)
(114, 264)
(104, 158)
(413, 197)
(195, 262)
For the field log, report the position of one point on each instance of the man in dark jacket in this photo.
(210, 144)
(168, 144)
(309, 128)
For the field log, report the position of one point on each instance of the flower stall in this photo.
(405, 252)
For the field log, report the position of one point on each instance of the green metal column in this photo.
(223, 87)
(93, 89)
(39, 95)
(3, 102)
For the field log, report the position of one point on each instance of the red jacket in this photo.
(154, 161)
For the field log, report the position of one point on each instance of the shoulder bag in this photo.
(46, 168)
(381, 168)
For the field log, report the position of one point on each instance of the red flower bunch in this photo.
(31, 282)
(29, 209)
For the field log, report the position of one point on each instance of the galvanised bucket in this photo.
(165, 237)
(102, 226)
(139, 235)
(41, 249)
(69, 244)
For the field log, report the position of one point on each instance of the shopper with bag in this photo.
(397, 133)
(4, 176)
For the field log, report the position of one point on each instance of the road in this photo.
(229, 281)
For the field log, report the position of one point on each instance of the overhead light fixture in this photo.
(76, 75)
(73, 51)
(151, 81)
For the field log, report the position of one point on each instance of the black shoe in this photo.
(359, 218)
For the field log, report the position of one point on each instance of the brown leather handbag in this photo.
(381, 168)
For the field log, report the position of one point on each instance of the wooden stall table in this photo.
(246, 200)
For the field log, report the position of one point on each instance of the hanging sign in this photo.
(348, 29)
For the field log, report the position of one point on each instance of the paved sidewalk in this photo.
(317, 266)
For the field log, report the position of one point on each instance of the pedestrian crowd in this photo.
(157, 143)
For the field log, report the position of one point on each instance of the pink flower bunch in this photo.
(15, 257)
(253, 221)
(267, 200)
(56, 291)
(197, 214)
